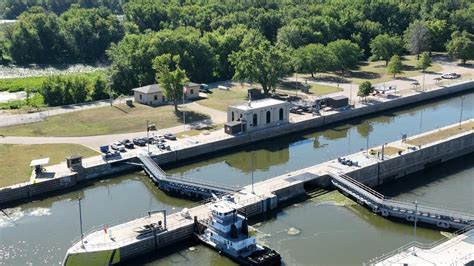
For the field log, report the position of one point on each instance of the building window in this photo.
(233, 116)
(140, 96)
(281, 113)
(156, 97)
(269, 117)
(254, 122)
(192, 91)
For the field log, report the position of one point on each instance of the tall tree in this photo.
(385, 46)
(260, 62)
(89, 32)
(424, 62)
(347, 54)
(461, 46)
(170, 76)
(395, 66)
(313, 58)
(417, 38)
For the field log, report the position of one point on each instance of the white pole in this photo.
(460, 115)
(184, 113)
(253, 192)
(80, 222)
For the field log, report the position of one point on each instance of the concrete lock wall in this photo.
(107, 169)
(414, 161)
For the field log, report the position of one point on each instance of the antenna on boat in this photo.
(80, 221)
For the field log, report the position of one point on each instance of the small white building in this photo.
(150, 95)
(256, 115)
(192, 90)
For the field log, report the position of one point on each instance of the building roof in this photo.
(153, 88)
(258, 104)
(233, 123)
(191, 84)
(339, 97)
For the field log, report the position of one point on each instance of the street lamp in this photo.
(148, 135)
(80, 222)
(460, 115)
(416, 219)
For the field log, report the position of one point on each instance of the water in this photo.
(333, 229)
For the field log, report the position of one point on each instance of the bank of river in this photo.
(333, 230)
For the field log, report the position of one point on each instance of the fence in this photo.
(11, 120)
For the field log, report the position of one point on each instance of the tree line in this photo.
(258, 41)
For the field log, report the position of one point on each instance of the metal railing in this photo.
(405, 248)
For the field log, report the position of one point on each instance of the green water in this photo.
(332, 229)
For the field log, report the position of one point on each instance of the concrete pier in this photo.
(412, 154)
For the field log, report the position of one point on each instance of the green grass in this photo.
(221, 99)
(14, 165)
(104, 120)
(34, 83)
(319, 89)
(376, 72)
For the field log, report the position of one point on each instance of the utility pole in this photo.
(460, 115)
(80, 222)
(368, 134)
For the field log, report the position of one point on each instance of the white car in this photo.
(450, 76)
(118, 146)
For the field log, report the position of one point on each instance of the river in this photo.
(332, 230)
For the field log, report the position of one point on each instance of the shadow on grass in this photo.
(362, 75)
(334, 79)
(191, 116)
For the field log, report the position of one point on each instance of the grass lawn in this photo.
(389, 150)
(14, 165)
(195, 132)
(221, 99)
(104, 120)
(441, 134)
(376, 72)
(319, 89)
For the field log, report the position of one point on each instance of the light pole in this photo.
(148, 135)
(416, 219)
(184, 111)
(460, 115)
(110, 83)
(253, 192)
(368, 134)
(421, 120)
(80, 222)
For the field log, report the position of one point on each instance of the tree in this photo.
(89, 32)
(295, 36)
(313, 58)
(395, 66)
(100, 89)
(365, 89)
(346, 52)
(385, 46)
(417, 38)
(170, 76)
(260, 62)
(461, 46)
(424, 62)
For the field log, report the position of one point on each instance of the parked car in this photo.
(118, 146)
(450, 76)
(139, 142)
(127, 143)
(170, 136)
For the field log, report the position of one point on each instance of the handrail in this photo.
(412, 244)
(378, 198)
